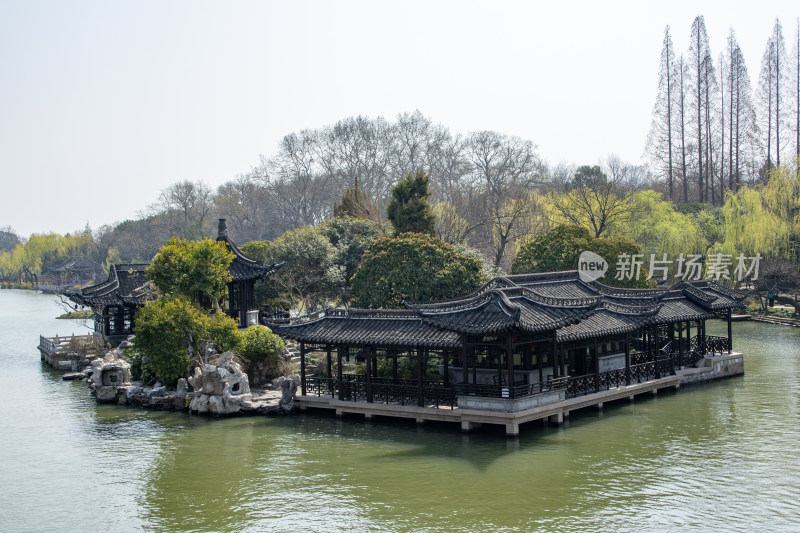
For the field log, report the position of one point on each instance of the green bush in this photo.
(166, 328)
(260, 351)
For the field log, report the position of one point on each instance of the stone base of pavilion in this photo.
(472, 412)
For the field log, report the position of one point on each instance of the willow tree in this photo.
(751, 227)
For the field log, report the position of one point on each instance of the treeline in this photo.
(711, 132)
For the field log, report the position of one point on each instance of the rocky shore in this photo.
(219, 389)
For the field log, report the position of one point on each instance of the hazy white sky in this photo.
(104, 103)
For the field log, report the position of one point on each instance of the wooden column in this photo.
(328, 360)
(556, 355)
(627, 359)
(339, 351)
(596, 367)
(303, 368)
(510, 361)
(730, 333)
(446, 366)
(420, 374)
(654, 349)
(395, 379)
(680, 343)
(540, 364)
(464, 361)
(368, 355)
(689, 335)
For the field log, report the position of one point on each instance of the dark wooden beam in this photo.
(303, 368)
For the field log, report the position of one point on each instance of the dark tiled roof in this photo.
(243, 268)
(126, 285)
(364, 328)
(531, 303)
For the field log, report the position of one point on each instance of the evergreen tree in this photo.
(356, 203)
(409, 209)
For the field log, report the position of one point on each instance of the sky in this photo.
(103, 104)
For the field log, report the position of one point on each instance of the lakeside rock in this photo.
(220, 388)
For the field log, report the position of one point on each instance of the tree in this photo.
(595, 201)
(409, 209)
(662, 131)
(186, 205)
(796, 94)
(742, 132)
(307, 279)
(8, 239)
(350, 237)
(413, 266)
(355, 203)
(772, 93)
(503, 169)
(168, 331)
(703, 87)
(191, 269)
(560, 248)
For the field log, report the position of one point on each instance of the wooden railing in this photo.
(514, 392)
(713, 345)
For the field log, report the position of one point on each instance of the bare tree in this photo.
(660, 138)
(772, 90)
(597, 201)
(186, 206)
(503, 168)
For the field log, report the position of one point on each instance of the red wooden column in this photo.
(510, 361)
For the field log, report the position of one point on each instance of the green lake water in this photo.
(717, 457)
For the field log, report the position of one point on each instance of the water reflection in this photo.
(719, 456)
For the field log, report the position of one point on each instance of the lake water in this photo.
(716, 457)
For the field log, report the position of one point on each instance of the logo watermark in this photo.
(592, 267)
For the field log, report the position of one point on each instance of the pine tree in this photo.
(356, 203)
(409, 209)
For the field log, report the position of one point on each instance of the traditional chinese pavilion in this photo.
(114, 301)
(515, 339)
(127, 288)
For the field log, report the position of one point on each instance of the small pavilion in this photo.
(127, 288)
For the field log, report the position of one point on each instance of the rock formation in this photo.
(110, 375)
(220, 388)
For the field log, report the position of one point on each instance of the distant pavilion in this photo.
(115, 301)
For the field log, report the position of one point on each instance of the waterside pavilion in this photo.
(521, 348)
(115, 301)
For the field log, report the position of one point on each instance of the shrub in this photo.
(260, 351)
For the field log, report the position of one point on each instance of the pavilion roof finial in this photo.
(222, 230)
